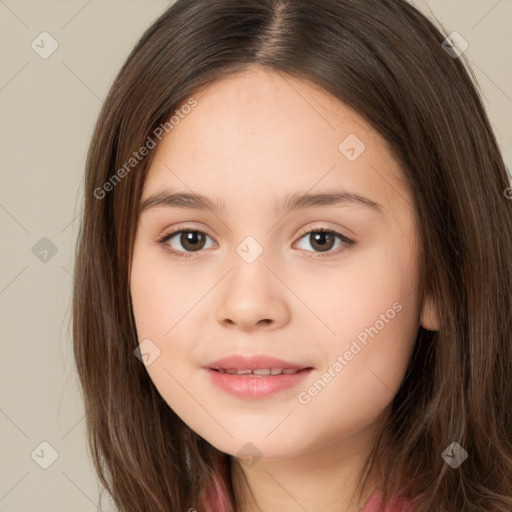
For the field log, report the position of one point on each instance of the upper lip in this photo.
(253, 362)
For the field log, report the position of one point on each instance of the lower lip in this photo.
(257, 387)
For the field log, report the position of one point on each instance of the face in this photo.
(328, 286)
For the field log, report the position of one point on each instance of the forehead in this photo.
(265, 132)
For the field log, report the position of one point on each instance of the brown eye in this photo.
(324, 240)
(190, 240)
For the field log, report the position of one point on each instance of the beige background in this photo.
(48, 108)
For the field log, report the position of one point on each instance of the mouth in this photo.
(255, 364)
(256, 376)
(260, 372)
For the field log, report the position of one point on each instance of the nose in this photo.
(251, 297)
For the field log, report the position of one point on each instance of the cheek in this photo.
(371, 307)
(363, 373)
(365, 291)
(161, 297)
(158, 305)
(163, 301)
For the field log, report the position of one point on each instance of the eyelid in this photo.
(320, 227)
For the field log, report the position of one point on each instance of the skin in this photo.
(253, 138)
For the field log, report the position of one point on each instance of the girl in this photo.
(293, 275)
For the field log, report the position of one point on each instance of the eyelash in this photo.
(184, 254)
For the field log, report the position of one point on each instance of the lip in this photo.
(255, 387)
(253, 362)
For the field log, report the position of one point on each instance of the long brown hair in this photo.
(385, 60)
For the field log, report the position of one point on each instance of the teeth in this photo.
(266, 371)
(260, 371)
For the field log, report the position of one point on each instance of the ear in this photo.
(429, 316)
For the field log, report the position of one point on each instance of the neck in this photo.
(323, 479)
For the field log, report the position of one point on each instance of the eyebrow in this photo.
(294, 201)
(182, 200)
(298, 200)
